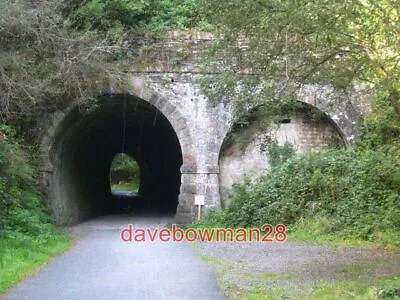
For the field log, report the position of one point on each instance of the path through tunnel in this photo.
(85, 146)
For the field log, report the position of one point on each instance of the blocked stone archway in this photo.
(245, 151)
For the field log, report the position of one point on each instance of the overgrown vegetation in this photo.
(349, 194)
(331, 194)
(27, 235)
(287, 46)
(44, 66)
(20, 208)
(119, 17)
(53, 53)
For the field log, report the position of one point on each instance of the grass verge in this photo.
(128, 186)
(21, 258)
(359, 287)
(316, 231)
(388, 288)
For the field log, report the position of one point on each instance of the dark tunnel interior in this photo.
(86, 144)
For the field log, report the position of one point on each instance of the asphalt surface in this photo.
(124, 194)
(101, 266)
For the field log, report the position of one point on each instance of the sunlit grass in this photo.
(312, 230)
(358, 287)
(126, 186)
(21, 258)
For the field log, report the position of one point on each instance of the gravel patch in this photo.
(296, 266)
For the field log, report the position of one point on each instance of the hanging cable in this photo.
(155, 118)
(123, 125)
(140, 139)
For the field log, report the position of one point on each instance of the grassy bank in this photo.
(28, 237)
(331, 197)
(21, 258)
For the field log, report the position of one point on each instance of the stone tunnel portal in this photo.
(85, 145)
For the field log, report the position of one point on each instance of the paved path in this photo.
(101, 266)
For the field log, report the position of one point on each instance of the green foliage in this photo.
(286, 45)
(124, 168)
(53, 53)
(110, 15)
(22, 257)
(44, 66)
(390, 290)
(27, 235)
(124, 174)
(117, 17)
(124, 162)
(22, 215)
(279, 154)
(380, 127)
(356, 193)
(360, 288)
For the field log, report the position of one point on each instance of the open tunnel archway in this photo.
(85, 145)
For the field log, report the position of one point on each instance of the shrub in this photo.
(22, 214)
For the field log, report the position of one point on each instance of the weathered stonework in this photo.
(199, 126)
(304, 135)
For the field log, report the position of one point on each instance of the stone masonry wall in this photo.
(164, 74)
(303, 134)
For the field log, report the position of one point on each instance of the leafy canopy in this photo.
(45, 66)
(289, 44)
(54, 52)
(117, 17)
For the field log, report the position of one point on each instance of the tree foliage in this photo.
(287, 45)
(124, 167)
(55, 52)
(45, 65)
(21, 212)
(117, 17)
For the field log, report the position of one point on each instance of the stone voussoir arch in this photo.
(171, 112)
(49, 143)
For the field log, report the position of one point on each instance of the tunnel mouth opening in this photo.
(86, 145)
(124, 175)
